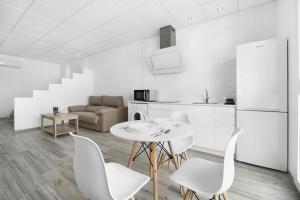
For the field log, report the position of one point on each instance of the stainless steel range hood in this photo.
(167, 59)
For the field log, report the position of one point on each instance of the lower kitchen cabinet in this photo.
(159, 110)
(202, 118)
(158, 113)
(214, 124)
(225, 125)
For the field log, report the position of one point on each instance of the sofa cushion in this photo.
(113, 101)
(105, 109)
(93, 108)
(88, 117)
(79, 108)
(95, 100)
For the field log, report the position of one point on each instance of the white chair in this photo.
(207, 177)
(100, 181)
(179, 146)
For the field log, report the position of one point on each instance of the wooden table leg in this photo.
(154, 166)
(54, 128)
(225, 196)
(187, 195)
(161, 160)
(42, 124)
(132, 154)
(173, 155)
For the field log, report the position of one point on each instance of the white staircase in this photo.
(71, 91)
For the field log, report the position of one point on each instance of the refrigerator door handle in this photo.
(261, 109)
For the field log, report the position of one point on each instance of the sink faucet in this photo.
(206, 96)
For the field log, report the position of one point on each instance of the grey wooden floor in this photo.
(34, 166)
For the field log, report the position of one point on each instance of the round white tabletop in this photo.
(177, 130)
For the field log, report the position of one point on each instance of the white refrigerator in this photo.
(262, 103)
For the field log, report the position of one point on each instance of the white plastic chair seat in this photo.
(197, 174)
(124, 182)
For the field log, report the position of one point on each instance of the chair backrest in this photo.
(89, 169)
(229, 170)
(180, 116)
(181, 145)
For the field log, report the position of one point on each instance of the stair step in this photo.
(39, 92)
(61, 94)
(76, 75)
(54, 86)
(65, 80)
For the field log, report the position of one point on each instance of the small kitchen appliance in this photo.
(145, 95)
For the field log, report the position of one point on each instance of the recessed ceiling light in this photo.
(219, 9)
(146, 33)
(189, 18)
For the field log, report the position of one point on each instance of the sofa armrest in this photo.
(109, 117)
(77, 108)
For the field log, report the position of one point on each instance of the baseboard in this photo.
(295, 181)
(27, 129)
(297, 184)
(209, 151)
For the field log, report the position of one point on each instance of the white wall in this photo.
(20, 82)
(288, 27)
(208, 52)
(75, 66)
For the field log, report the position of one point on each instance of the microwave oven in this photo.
(145, 95)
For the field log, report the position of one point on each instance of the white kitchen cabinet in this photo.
(159, 110)
(225, 125)
(214, 124)
(159, 113)
(202, 118)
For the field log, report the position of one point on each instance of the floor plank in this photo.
(35, 166)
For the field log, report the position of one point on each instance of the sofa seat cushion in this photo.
(105, 109)
(88, 117)
(93, 109)
(79, 108)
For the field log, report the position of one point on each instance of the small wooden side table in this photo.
(59, 129)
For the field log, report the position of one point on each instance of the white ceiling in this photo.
(62, 30)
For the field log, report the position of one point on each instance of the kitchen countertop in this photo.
(183, 103)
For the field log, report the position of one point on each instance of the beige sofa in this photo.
(101, 113)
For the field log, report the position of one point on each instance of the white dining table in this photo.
(154, 136)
